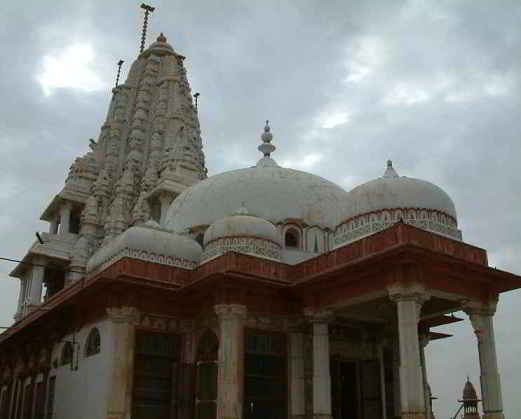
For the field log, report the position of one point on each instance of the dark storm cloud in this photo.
(433, 85)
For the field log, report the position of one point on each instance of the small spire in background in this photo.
(196, 97)
(148, 9)
(120, 63)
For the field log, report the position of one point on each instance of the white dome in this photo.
(398, 192)
(271, 192)
(241, 224)
(151, 243)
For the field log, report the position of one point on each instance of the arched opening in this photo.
(200, 239)
(93, 345)
(67, 353)
(292, 238)
(206, 394)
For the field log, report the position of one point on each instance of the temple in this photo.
(263, 292)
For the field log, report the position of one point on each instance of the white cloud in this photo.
(332, 119)
(406, 94)
(368, 55)
(73, 68)
(304, 163)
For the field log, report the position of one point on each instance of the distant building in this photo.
(263, 292)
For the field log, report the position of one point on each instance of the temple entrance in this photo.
(355, 389)
(345, 390)
(155, 376)
(206, 394)
(265, 376)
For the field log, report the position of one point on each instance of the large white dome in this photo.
(269, 191)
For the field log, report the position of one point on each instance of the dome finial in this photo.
(242, 210)
(161, 37)
(390, 172)
(266, 148)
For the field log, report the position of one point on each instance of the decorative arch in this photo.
(206, 394)
(93, 344)
(67, 354)
(292, 238)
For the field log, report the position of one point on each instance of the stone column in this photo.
(382, 379)
(321, 369)
(37, 274)
(396, 378)
(122, 363)
(65, 217)
(21, 299)
(481, 317)
(409, 301)
(230, 382)
(297, 378)
(424, 341)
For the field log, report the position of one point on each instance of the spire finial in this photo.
(148, 9)
(390, 172)
(120, 63)
(266, 148)
(161, 37)
(242, 210)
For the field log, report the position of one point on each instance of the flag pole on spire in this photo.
(148, 9)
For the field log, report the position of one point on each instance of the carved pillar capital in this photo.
(230, 311)
(415, 292)
(319, 316)
(123, 314)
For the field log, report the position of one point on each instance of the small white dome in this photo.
(151, 243)
(399, 192)
(241, 224)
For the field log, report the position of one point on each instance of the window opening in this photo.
(67, 354)
(291, 238)
(93, 345)
(155, 392)
(39, 407)
(28, 401)
(200, 239)
(206, 394)
(74, 224)
(265, 376)
(4, 406)
(54, 281)
(50, 397)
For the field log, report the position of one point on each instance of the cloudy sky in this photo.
(433, 85)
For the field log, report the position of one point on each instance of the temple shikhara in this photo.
(161, 292)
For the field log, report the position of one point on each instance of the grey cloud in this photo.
(288, 62)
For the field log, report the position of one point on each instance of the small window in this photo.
(67, 354)
(291, 238)
(93, 345)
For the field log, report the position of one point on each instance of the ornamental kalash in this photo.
(262, 292)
